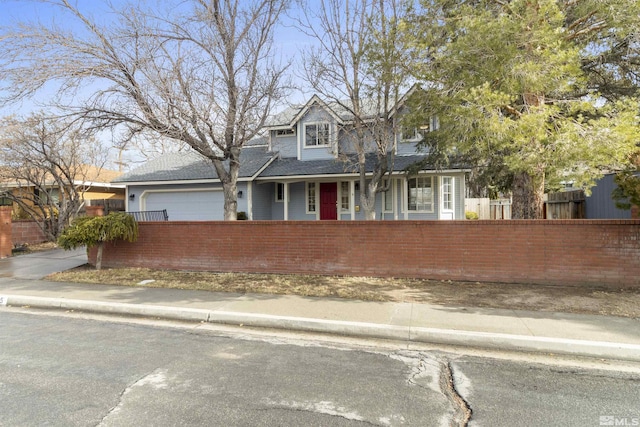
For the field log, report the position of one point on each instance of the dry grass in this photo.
(573, 299)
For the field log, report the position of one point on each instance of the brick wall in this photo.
(603, 252)
(26, 231)
(6, 244)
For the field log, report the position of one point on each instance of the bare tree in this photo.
(46, 166)
(200, 72)
(358, 66)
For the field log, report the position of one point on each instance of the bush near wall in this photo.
(26, 231)
(561, 252)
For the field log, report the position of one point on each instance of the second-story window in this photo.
(316, 134)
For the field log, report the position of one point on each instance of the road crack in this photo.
(322, 408)
(462, 410)
(155, 378)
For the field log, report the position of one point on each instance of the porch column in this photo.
(286, 201)
(352, 198)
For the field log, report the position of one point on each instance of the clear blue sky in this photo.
(288, 40)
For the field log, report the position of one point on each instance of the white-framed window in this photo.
(279, 192)
(316, 134)
(420, 194)
(447, 193)
(285, 132)
(409, 133)
(312, 197)
(345, 199)
(387, 196)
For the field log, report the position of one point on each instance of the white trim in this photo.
(298, 141)
(340, 210)
(434, 183)
(317, 199)
(250, 201)
(314, 100)
(285, 206)
(405, 198)
(441, 210)
(414, 138)
(276, 192)
(185, 181)
(145, 193)
(259, 171)
(349, 175)
(292, 130)
(352, 190)
(317, 124)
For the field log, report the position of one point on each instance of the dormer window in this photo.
(316, 134)
(285, 132)
(409, 133)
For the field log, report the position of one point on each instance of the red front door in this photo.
(328, 200)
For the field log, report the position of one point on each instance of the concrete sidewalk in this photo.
(559, 333)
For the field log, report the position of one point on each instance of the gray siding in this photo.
(297, 200)
(600, 205)
(285, 145)
(316, 115)
(262, 196)
(277, 208)
(197, 202)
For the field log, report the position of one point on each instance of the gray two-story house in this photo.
(299, 170)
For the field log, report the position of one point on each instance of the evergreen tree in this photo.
(530, 92)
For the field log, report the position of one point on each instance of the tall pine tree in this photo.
(531, 92)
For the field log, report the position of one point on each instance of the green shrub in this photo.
(95, 230)
(471, 215)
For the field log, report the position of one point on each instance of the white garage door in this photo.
(200, 205)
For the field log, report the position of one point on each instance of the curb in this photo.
(485, 340)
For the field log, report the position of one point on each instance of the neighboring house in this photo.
(600, 204)
(96, 183)
(298, 171)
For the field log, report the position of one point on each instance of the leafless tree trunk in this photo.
(200, 72)
(46, 166)
(358, 66)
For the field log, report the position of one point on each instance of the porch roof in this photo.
(286, 167)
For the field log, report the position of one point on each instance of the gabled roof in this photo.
(340, 110)
(290, 116)
(189, 166)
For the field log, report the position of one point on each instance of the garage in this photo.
(186, 205)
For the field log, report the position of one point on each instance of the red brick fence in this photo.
(574, 252)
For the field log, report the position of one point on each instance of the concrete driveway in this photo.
(40, 264)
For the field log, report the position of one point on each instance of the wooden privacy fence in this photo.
(565, 205)
(109, 205)
(489, 208)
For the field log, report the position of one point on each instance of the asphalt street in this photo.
(78, 372)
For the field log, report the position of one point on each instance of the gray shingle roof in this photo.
(370, 108)
(184, 166)
(294, 167)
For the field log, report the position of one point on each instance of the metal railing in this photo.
(143, 216)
